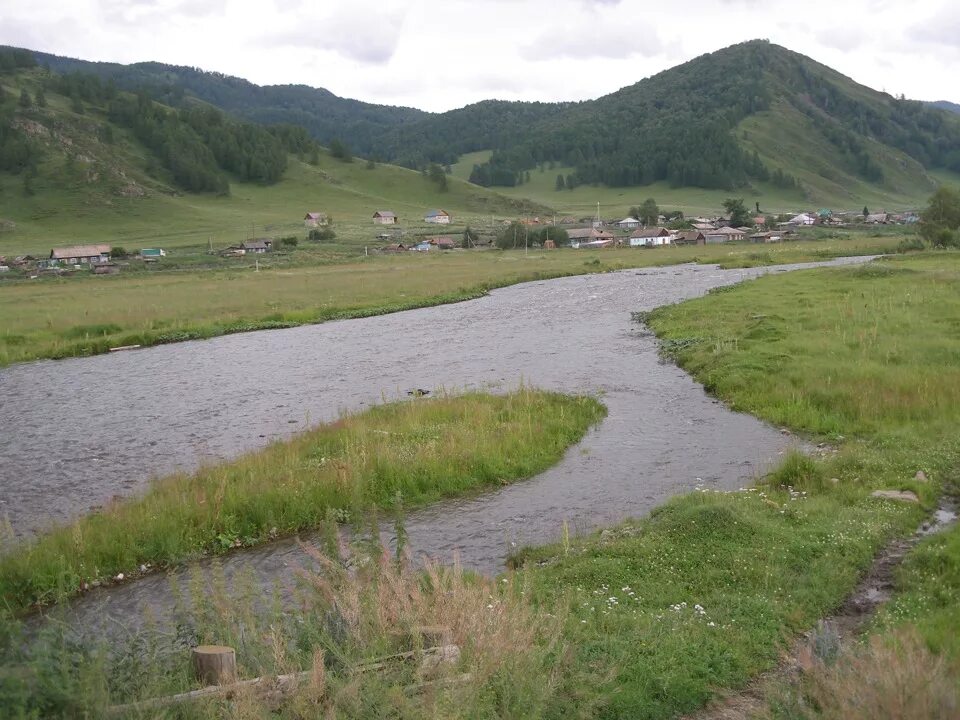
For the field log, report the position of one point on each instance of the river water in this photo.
(75, 433)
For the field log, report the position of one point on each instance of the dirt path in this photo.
(848, 623)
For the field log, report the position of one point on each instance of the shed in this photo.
(258, 246)
(314, 219)
(628, 223)
(690, 237)
(385, 217)
(443, 242)
(440, 217)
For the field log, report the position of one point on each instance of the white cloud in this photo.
(440, 54)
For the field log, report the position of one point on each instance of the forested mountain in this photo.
(78, 116)
(325, 115)
(687, 125)
(946, 105)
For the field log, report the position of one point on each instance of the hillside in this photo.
(76, 172)
(947, 105)
(755, 118)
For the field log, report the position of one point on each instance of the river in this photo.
(76, 433)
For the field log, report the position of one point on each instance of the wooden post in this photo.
(215, 664)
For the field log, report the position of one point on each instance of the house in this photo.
(703, 227)
(80, 254)
(766, 237)
(152, 253)
(314, 219)
(628, 223)
(802, 219)
(394, 248)
(440, 217)
(258, 246)
(591, 237)
(385, 217)
(650, 237)
(876, 219)
(443, 243)
(723, 234)
(690, 237)
(759, 221)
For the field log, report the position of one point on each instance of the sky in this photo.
(441, 54)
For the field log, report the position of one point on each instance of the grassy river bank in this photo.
(87, 315)
(649, 619)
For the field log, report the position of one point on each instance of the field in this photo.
(52, 318)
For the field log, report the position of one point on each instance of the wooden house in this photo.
(439, 217)
(258, 246)
(724, 234)
(80, 254)
(314, 219)
(690, 237)
(385, 217)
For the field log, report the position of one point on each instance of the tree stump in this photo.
(215, 664)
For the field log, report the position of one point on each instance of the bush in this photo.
(552, 232)
(319, 234)
(910, 244)
(290, 241)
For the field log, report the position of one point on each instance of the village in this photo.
(391, 236)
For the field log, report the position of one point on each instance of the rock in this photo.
(118, 577)
(921, 476)
(835, 481)
(143, 568)
(784, 431)
(898, 495)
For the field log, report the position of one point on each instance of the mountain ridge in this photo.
(709, 123)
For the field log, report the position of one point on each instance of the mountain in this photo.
(754, 114)
(81, 160)
(946, 105)
(325, 115)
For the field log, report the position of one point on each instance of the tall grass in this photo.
(511, 652)
(420, 450)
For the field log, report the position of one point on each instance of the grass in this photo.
(650, 618)
(418, 451)
(55, 318)
(776, 134)
(707, 592)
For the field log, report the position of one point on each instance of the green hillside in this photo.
(82, 187)
(812, 134)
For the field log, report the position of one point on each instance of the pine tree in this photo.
(560, 185)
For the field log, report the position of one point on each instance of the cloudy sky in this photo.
(442, 54)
